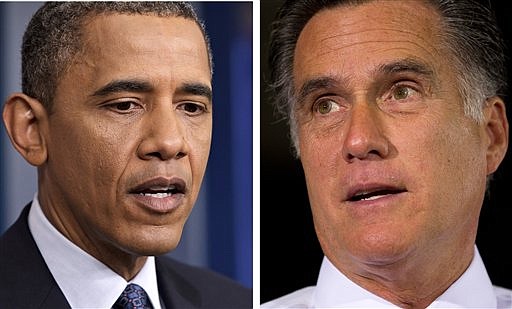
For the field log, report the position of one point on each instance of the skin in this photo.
(97, 144)
(378, 109)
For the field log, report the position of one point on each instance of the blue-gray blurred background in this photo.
(218, 234)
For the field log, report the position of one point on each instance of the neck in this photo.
(410, 282)
(123, 263)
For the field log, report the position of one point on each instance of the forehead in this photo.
(164, 52)
(363, 35)
(120, 31)
(120, 46)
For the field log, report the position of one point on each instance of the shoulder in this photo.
(17, 244)
(298, 299)
(200, 276)
(26, 281)
(17, 232)
(17, 247)
(214, 290)
(503, 297)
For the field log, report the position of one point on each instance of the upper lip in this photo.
(160, 184)
(358, 192)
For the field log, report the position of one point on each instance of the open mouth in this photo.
(160, 188)
(370, 195)
(160, 193)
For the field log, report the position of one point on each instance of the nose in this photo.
(365, 139)
(164, 136)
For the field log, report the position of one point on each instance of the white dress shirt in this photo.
(84, 281)
(334, 290)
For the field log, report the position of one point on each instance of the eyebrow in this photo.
(123, 85)
(399, 66)
(198, 89)
(315, 84)
(134, 85)
(406, 65)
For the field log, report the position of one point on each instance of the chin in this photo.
(154, 243)
(154, 251)
(381, 251)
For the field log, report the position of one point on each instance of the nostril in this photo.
(161, 156)
(168, 147)
(155, 155)
(374, 152)
(366, 147)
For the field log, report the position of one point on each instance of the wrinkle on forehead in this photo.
(354, 23)
(341, 41)
(378, 27)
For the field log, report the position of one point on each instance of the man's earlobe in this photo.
(26, 121)
(497, 131)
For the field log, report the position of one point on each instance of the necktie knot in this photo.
(133, 297)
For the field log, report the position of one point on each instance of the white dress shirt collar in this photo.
(472, 290)
(84, 281)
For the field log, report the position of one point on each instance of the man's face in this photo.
(129, 134)
(393, 166)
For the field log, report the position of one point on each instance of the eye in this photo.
(402, 92)
(123, 107)
(403, 97)
(326, 106)
(192, 108)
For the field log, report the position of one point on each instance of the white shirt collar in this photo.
(84, 281)
(472, 290)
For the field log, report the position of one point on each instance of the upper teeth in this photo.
(370, 198)
(157, 195)
(368, 195)
(171, 187)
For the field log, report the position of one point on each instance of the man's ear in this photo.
(26, 121)
(497, 132)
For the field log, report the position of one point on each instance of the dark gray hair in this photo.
(469, 32)
(54, 36)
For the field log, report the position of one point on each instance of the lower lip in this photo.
(160, 205)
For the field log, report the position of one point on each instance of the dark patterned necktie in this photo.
(133, 297)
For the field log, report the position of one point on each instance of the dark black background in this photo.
(290, 254)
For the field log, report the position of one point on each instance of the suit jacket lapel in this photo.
(26, 280)
(175, 290)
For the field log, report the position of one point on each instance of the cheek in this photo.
(199, 140)
(453, 151)
(450, 167)
(91, 150)
(466, 164)
(320, 155)
(320, 152)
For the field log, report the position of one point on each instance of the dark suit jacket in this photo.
(26, 281)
